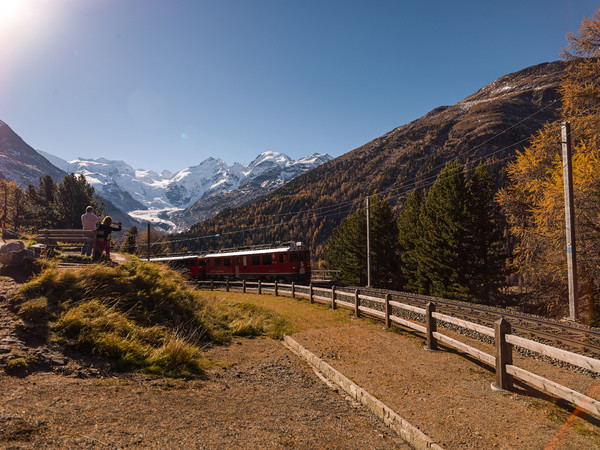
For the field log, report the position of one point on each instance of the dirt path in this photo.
(266, 398)
(444, 393)
(262, 396)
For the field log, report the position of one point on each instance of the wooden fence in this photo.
(504, 340)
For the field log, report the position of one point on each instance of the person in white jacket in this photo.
(89, 221)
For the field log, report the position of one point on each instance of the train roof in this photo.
(247, 252)
(174, 258)
(257, 250)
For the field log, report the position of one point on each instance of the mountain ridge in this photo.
(490, 125)
(176, 200)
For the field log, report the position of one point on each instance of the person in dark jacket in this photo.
(104, 230)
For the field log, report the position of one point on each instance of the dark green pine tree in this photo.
(385, 257)
(73, 195)
(443, 249)
(408, 241)
(41, 212)
(487, 252)
(130, 244)
(346, 250)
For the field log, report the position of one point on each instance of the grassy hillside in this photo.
(139, 316)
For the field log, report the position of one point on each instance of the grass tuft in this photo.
(141, 316)
(35, 310)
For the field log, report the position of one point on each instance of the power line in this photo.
(346, 207)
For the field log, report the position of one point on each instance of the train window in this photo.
(293, 257)
(227, 261)
(256, 260)
(266, 259)
(217, 262)
(283, 258)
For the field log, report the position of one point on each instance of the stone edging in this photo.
(404, 429)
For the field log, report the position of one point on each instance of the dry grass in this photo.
(139, 315)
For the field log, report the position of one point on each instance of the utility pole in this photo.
(570, 220)
(368, 243)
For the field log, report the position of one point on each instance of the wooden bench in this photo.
(53, 239)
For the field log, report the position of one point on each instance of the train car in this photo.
(289, 262)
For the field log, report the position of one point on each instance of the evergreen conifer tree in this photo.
(346, 250)
(41, 201)
(442, 248)
(385, 257)
(73, 195)
(486, 248)
(408, 240)
(130, 244)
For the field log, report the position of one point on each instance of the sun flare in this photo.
(12, 11)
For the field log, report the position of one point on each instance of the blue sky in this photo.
(165, 84)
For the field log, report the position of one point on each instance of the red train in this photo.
(289, 262)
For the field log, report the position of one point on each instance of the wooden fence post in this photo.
(293, 290)
(431, 326)
(212, 285)
(332, 297)
(504, 381)
(357, 303)
(244, 285)
(276, 289)
(387, 310)
(227, 285)
(259, 288)
(310, 293)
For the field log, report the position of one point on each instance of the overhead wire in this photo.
(347, 206)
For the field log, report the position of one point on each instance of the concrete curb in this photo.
(405, 430)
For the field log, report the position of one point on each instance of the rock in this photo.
(14, 254)
(15, 246)
(9, 234)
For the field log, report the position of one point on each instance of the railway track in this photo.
(571, 337)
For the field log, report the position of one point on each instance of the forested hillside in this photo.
(490, 126)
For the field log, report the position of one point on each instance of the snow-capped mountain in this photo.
(147, 195)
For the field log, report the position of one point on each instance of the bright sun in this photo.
(12, 10)
(20, 20)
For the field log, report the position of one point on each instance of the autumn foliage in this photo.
(534, 199)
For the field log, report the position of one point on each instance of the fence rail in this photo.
(501, 333)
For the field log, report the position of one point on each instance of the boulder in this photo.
(9, 234)
(15, 246)
(14, 254)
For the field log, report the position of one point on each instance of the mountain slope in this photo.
(20, 162)
(492, 124)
